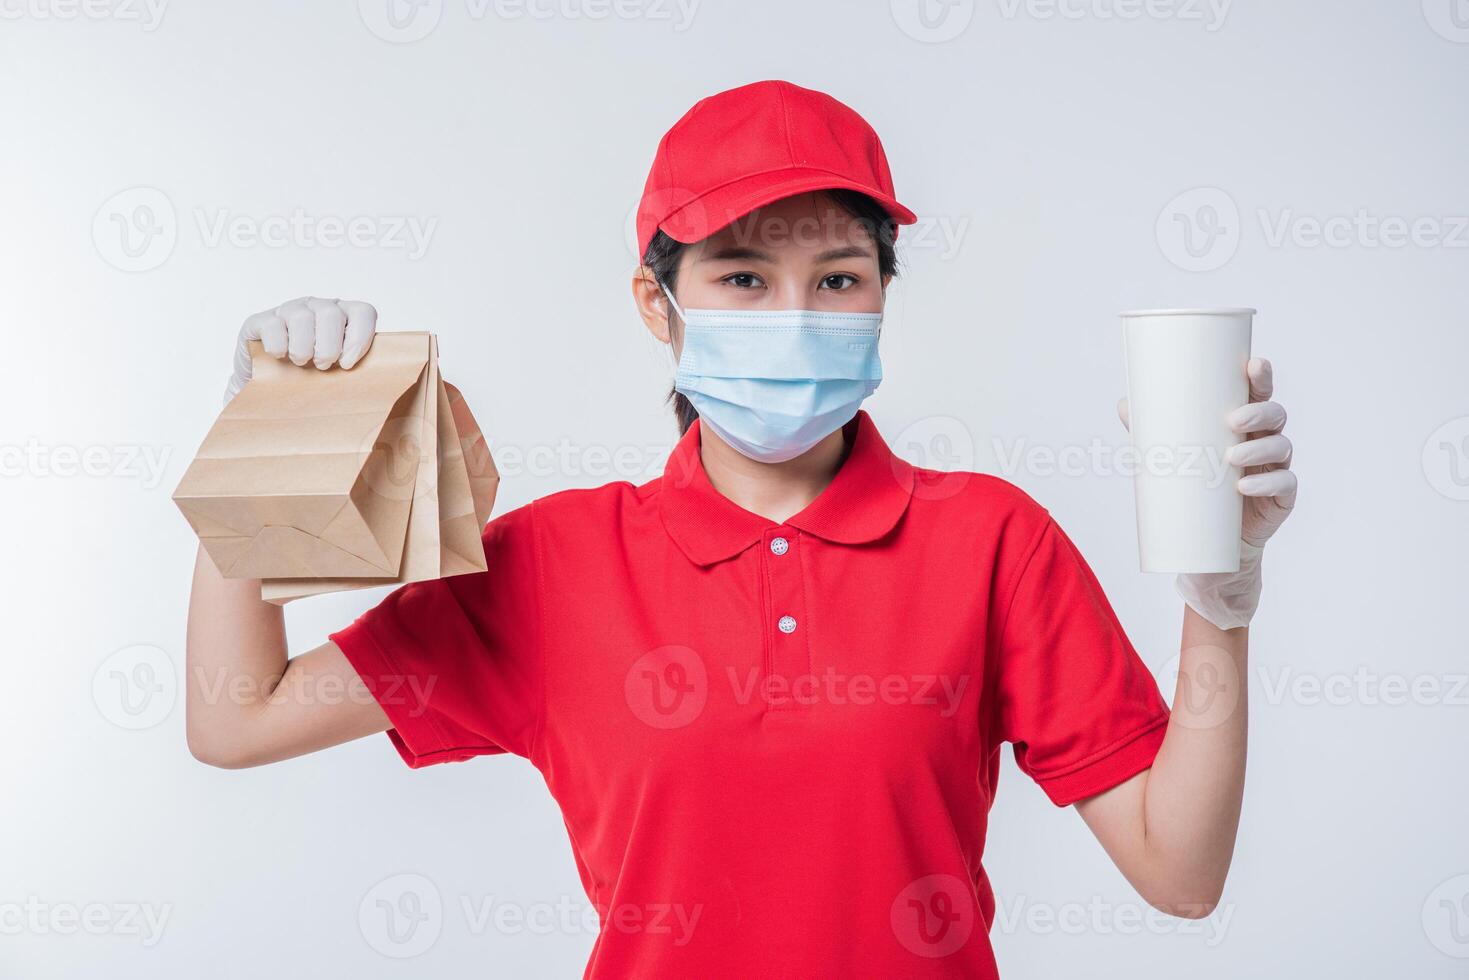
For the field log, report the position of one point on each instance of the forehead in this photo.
(803, 223)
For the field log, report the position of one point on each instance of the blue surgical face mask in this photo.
(774, 383)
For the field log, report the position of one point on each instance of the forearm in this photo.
(247, 704)
(1171, 829)
(1194, 790)
(236, 655)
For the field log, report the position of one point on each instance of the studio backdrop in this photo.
(471, 167)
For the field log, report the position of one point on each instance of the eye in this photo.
(839, 281)
(743, 280)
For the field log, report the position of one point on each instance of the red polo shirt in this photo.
(774, 745)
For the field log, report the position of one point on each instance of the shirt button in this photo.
(787, 624)
(779, 546)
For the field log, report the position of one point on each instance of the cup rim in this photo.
(1201, 311)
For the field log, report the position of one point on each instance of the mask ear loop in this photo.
(673, 304)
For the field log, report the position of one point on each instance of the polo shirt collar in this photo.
(863, 502)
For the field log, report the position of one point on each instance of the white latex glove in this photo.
(319, 331)
(1229, 599)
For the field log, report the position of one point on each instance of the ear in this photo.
(652, 304)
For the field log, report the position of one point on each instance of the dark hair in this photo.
(663, 254)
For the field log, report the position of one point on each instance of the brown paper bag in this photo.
(479, 466)
(451, 503)
(322, 481)
(295, 478)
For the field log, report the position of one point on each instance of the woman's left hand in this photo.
(1268, 485)
(1229, 599)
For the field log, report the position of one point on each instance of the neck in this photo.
(775, 491)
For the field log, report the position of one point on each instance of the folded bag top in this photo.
(452, 498)
(311, 474)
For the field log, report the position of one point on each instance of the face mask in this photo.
(774, 383)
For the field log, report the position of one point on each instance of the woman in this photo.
(769, 689)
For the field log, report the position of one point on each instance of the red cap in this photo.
(745, 148)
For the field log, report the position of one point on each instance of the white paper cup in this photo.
(1185, 374)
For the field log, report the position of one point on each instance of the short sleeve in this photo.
(1081, 709)
(454, 662)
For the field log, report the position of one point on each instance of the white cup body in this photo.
(1185, 374)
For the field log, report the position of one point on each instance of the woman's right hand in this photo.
(308, 330)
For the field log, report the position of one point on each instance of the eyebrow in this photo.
(754, 254)
(739, 252)
(846, 252)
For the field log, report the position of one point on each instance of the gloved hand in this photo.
(1229, 599)
(321, 331)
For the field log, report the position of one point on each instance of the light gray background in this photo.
(1057, 154)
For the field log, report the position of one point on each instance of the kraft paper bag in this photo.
(301, 475)
(415, 490)
(484, 479)
(452, 499)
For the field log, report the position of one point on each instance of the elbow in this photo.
(1200, 909)
(1190, 889)
(1198, 902)
(214, 756)
(214, 740)
(215, 751)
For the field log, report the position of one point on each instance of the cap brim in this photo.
(723, 206)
